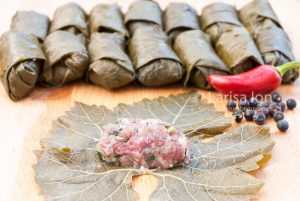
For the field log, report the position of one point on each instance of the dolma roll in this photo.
(107, 18)
(217, 18)
(238, 50)
(67, 59)
(258, 15)
(179, 17)
(274, 44)
(110, 66)
(30, 22)
(143, 13)
(154, 60)
(196, 52)
(230, 38)
(275, 50)
(21, 60)
(70, 17)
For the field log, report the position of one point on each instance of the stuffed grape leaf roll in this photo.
(155, 62)
(196, 52)
(238, 50)
(217, 18)
(273, 42)
(107, 18)
(110, 66)
(143, 13)
(258, 15)
(30, 22)
(230, 38)
(70, 17)
(179, 17)
(67, 58)
(21, 60)
(275, 50)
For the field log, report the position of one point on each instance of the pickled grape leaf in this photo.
(79, 128)
(187, 111)
(220, 185)
(69, 168)
(81, 175)
(231, 148)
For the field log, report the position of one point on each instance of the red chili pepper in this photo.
(261, 80)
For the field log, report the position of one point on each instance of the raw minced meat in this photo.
(147, 143)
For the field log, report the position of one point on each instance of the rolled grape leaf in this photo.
(238, 50)
(155, 62)
(218, 18)
(107, 18)
(258, 15)
(30, 22)
(272, 41)
(70, 166)
(21, 60)
(276, 49)
(196, 52)
(232, 42)
(110, 66)
(70, 17)
(179, 17)
(143, 13)
(67, 59)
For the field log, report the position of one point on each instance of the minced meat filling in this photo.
(148, 143)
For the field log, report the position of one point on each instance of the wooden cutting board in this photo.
(24, 123)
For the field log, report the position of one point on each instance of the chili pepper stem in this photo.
(286, 67)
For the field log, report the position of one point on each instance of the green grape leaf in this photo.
(186, 111)
(70, 169)
(231, 148)
(79, 128)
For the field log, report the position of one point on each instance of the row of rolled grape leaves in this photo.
(69, 168)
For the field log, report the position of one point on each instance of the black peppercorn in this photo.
(291, 103)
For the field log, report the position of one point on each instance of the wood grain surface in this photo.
(24, 123)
